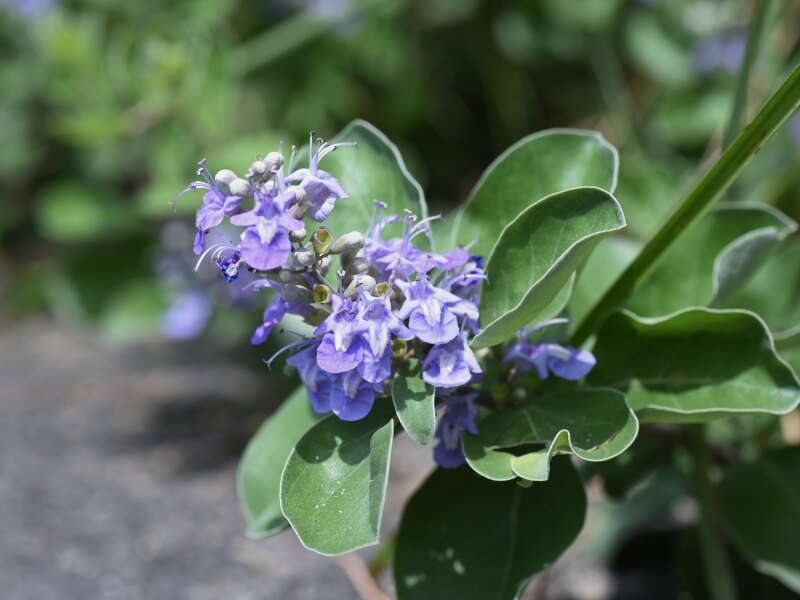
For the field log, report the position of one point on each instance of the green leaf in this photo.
(463, 536)
(714, 259)
(334, 483)
(760, 504)
(695, 365)
(773, 291)
(372, 171)
(414, 402)
(593, 424)
(259, 474)
(601, 269)
(536, 166)
(536, 255)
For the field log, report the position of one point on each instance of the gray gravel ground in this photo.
(117, 472)
(117, 479)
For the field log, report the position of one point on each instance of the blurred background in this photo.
(127, 386)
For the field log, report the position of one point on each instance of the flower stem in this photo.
(754, 36)
(299, 30)
(719, 577)
(699, 200)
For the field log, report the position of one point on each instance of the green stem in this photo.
(777, 109)
(754, 36)
(297, 31)
(719, 577)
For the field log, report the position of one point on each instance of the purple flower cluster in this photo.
(279, 203)
(547, 357)
(394, 299)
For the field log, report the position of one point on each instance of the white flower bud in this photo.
(298, 235)
(357, 265)
(225, 177)
(239, 187)
(324, 265)
(258, 169)
(360, 283)
(348, 243)
(304, 257)
(274, 161)
(296, 293)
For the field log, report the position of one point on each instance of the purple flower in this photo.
(216, 206)
(450, 365)
(351, 396)
(273, 315)
(318, 383)
(544, 357)
(187, 316)
(342, 348)
(265, 243)
(229, 266)
(426, 308)
(458, 416)
(320, 187)
(376, 368)
(794, 129)
(379, 323)
(722, 52)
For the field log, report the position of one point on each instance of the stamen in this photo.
(213, 247)
(296, 344)
(192, 187)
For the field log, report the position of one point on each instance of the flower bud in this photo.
(299, 210)
(257, 169)
(322, 294)
(304, 257)
(296, 293)
(273, 161)
(299, 193)
(324, 265)
(349, 242)
(298, 235)
(356, 266)
(399, 347)
(382, 289)
(287, 276)
(239, 187)
(321, 240)
(360, 283)
(225, 177)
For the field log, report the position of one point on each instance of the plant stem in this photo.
(297, 31)
(754, 36)
(777, 109)
(719, 577)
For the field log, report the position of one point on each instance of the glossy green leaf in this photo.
(334, 483)
(694, 365)
(760, 504)
(537, 166)
(536, 255)
(259, 474)
(414, 402)
(774, 290)
(374, 170)
(463, 536)
(594, 424)
(714, 259)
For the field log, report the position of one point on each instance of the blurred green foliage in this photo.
(107, 105)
